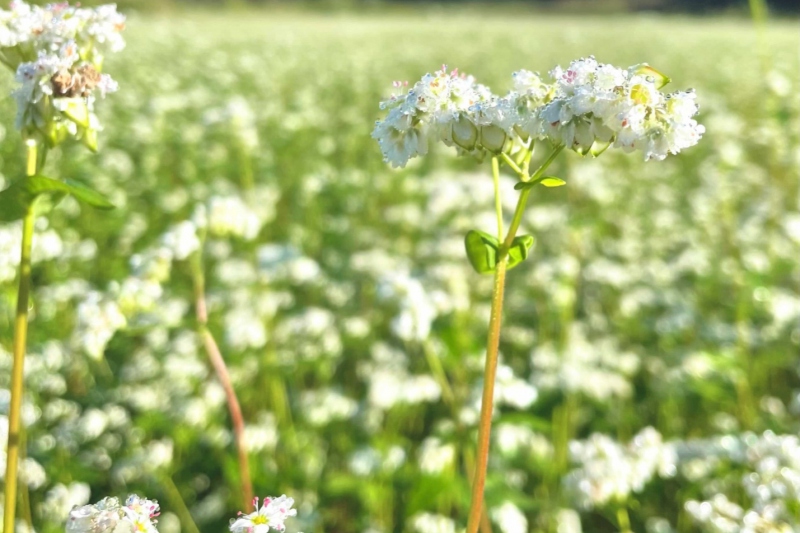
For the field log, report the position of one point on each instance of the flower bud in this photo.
(464, 133)
(493, 138)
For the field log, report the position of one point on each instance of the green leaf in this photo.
(660, 79)
(520, 247)
(547, 181)
(482, 251)
(16, 200)
(552, 181)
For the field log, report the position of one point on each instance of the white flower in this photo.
(510, 518)
(230, 216)
(426, 113)
(106, 516)
(57, 52)
(271, 515)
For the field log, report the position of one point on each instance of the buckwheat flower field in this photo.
(279, 305)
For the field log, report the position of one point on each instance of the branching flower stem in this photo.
(221, 369)
(493, 344)
(20, 342)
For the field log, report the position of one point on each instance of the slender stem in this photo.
(498, 205)
(217, 361)
(485, 424)
(438, 372)
(552, 157)
(20, 341)
(510, 162)
(176, 502)
(524, 153)
(623, 520)
(492, 349)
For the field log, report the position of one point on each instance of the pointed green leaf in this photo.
(482, 251)
(658, 78)
(17, 199)
(552, 181)
(87, 195)
(523, 185)
(520, 247)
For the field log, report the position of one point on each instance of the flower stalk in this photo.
(493, 339)
(20, 343)
(221, 370)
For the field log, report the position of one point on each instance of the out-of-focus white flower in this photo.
(324, 406)
(436, 456)
(270, 516)
(182, 240)
(509, 518)
(229, 216)
(433, 523)
(98, 319)
(609, 471)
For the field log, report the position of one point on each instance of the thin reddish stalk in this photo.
(221, 369)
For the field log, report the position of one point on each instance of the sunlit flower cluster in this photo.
(588, 107)
(136, 515)
(57, 53)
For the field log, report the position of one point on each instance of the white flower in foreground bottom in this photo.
(271, 515)
(107, 515)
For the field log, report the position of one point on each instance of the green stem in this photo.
(510, 162)
(20, 342)
(439, 374)
(221, 369)
(492, 349)
(498, 205)
(178, 504)
(623, 520)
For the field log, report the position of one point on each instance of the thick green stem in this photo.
(221, 369)
(492, 349)
(20, 342)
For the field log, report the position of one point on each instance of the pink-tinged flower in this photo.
(270, 516)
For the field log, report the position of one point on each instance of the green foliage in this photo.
(16, 200)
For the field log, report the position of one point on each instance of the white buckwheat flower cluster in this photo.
(588, 107)
(595, 104)
(432, 109)
(108, 515)
(610, 472)
(270, 516)
(57, 54)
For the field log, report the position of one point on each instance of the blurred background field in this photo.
(660, 295)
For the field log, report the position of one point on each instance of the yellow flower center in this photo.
(260, 519)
